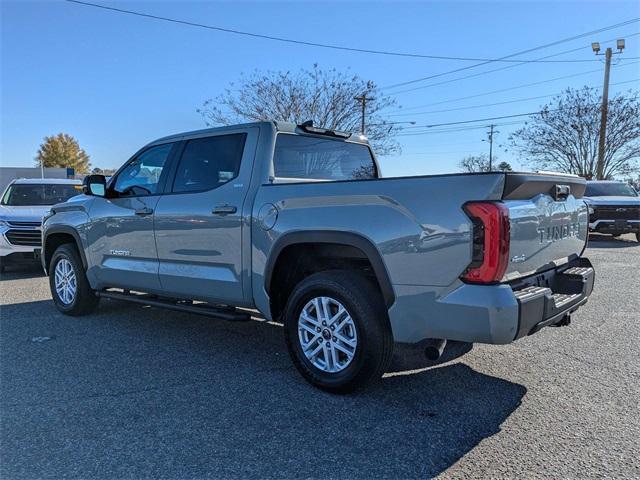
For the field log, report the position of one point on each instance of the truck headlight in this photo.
(591, 210)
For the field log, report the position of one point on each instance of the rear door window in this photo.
(209, 162)
(313, 158)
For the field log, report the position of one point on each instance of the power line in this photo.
(486, 72)
(501, 117)
(475, 142)
(474, 106)
(316, 44)
(522, 52)
(495, 103)
(487, 119)
(439, 153)
(516, 87)
(457, 129)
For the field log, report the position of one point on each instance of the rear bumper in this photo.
(553, 298)
(496, 314)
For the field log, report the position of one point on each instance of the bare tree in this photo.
(564, 136)
(324, 96)
(474, 163)
(480, 163)
(634, 182)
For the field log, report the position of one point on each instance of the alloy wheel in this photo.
(65, 282)
(327, 334)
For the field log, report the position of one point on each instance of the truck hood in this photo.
(23, 214)
(610, 200)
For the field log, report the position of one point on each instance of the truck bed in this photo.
(420, 226)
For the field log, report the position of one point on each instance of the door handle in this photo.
(224, 209)
(144, 211)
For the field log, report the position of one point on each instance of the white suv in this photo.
(23, 204)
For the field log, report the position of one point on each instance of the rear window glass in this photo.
(209, 162)
(609, 190)
(302, 157)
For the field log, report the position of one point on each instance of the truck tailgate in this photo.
(548, 221)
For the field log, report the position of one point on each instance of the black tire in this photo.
(638, 236)
(85, 300)
(363, 302)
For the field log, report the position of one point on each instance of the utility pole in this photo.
(363, 103)
(490, 136)
(604, 109)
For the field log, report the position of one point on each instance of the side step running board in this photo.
(200, 308)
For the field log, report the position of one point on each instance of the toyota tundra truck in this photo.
(296, 224)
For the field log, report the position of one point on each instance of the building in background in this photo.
(11, 173)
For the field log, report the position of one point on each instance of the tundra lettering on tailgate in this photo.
(558, 232)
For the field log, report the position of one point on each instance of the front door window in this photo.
(142, 175)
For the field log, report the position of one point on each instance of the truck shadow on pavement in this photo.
(21, 271)
(607, 241)
(137, 392)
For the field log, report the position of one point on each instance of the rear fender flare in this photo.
(342, 238)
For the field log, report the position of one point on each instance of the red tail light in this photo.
(490, 242)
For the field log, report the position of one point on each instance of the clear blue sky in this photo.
(116, 82)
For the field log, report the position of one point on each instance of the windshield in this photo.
(609, 190)
(311, 158)
(30, 195)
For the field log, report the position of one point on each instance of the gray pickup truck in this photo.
(296, 222)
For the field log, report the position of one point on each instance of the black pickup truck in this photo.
(614, 208)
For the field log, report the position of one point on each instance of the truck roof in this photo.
(279, 126)
(46, 181)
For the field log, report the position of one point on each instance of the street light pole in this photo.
(604, 109)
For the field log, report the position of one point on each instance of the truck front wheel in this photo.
(68, 282)
(337, 330)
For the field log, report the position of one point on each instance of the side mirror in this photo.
(94, 185)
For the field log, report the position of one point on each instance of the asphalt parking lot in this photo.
(135, 392)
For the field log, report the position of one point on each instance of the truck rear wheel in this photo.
(337, 331)
(68, 282)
